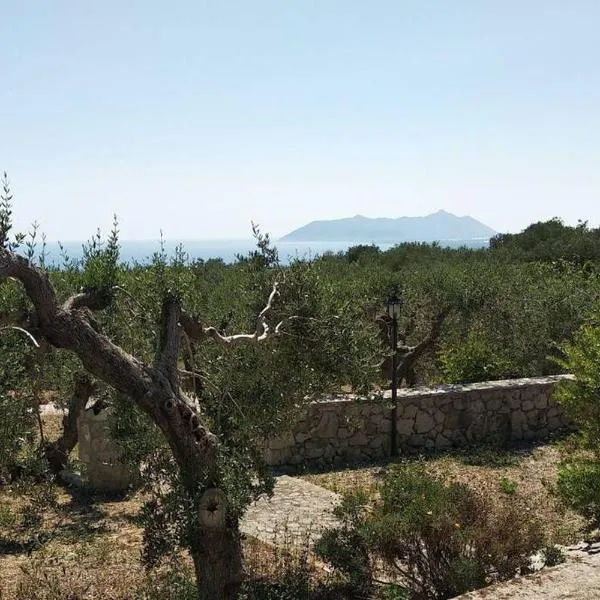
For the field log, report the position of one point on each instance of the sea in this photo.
(141, 251)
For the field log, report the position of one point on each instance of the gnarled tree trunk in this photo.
(57, 453)
(409, 355)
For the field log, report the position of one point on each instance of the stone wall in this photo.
(349, 429)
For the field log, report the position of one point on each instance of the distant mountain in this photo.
(440, 226)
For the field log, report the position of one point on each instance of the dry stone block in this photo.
(442, 442)
(553, 411)
(409, 411)
(460, 403)
(527, 404)
(360, 428)
(358, 439)
(494, 403)
(416, 441)
(314, 452)
(371, 428)
(405, 426)
(386, 425)
(477, 406)
(536, 419)
(100, 454)
(284, 441)
(379, 441)
(424, 422)
(328, 425)
(439, 416)
(514, 400)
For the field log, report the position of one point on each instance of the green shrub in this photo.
(17, 422)
(438, 539)
(345, 548)
(578, 487)
(175, 583)
(508, 486)
(553, 556)
(8, 518)
(16, 426)
(392, 592)
(578, 483)
(476, 359)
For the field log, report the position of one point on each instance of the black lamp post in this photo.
(394, 306)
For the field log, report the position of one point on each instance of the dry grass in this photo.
(530, 472)
(85, 549)
(82, 548)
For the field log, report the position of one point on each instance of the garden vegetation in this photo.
(201, 361)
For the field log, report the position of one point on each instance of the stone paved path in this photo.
(297, 512)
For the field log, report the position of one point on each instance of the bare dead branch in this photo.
(24, 331)
(195, 328)
(323, 322)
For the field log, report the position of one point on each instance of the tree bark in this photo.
(57, 453)
(217, 564)
(216, 551)
(409, 355)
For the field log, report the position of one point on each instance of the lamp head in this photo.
(394, 305)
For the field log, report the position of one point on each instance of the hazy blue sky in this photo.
(199, 116)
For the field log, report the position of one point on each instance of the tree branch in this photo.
(70, 329)
(93, 299)
(170, 336)
(431, 337)
(35, 281)
(195, 328)
(193, 445)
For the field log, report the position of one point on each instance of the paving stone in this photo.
(297, 512)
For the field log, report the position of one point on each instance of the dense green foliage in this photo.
(16, 415)
(579, 474)
(551, 241)
(439, 539)
(508, 317)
